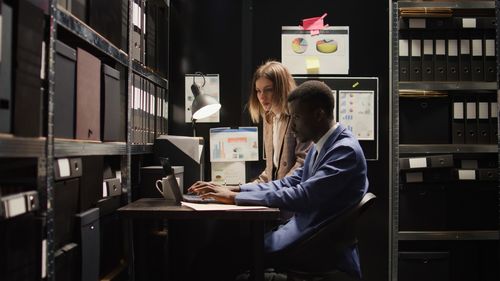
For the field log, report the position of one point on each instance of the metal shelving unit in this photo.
(85, 32)
(149, 74)
(397, 149)
(70, 148)
(451, 5)
(448, 86)
(448, 235)
(446, 148)
(46, 149)
(22, 147)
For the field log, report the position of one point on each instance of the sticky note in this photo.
(312, 65)
(314, 24)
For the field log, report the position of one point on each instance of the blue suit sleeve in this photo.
(335, 174)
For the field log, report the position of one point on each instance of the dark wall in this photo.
(233, 37)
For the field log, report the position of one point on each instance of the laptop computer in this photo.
(173, 192)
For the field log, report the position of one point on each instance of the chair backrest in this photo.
(319, 251)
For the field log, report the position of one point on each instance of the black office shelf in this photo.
(149, 74)
(11, 146)
(74, 25)
(451, 5)
(447, 148)
(448, 86)
(141, 148)
(449, 235)
(67, 148)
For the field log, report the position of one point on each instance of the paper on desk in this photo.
(219, 207)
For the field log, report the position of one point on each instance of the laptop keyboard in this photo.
(193, 198)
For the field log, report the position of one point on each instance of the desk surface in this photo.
(159, 208)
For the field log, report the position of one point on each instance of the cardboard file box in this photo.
(65, 209)
(90, 182)
(65, 91)
(422, 208)
(424, 120)
(89, 240)
(21, 244)
(418, 266)
(114, 106)
(66, 261)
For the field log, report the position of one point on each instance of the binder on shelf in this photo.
(415, 58)
(440, 68)
(490, 67)
(109, 18)
(452, 59)
(477, 63)
(89, 241)
(65, 91)
(404, 58)
(138, 19)
(483, 121)
(114, 105)
(151, 35)
(6, 18)
(28, 97)
(66, 260)
(428, 60)
(91, 182)
(458, 121)
(152, 112)
(471, 121)
(493, 122)
(465, 58)
(88, 96)
(65, 208)
(78, 8)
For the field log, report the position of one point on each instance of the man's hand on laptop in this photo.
(223, 194)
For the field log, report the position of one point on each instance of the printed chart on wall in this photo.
(209, 85)
(229, 149)
(356, 102)
(229, 145)
(324, 53)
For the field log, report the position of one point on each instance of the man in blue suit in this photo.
(332, 179)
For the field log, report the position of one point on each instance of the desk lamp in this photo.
(203, 105)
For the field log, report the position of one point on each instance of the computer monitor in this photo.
(183, 151)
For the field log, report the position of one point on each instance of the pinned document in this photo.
(330, 48)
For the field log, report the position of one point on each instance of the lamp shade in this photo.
(204, 106)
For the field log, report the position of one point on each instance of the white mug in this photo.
(167, 187)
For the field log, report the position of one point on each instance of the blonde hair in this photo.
(283, 84)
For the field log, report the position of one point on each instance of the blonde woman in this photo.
(271, 84)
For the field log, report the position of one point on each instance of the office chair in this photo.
(315, 256)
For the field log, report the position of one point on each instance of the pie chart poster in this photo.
(324, 53)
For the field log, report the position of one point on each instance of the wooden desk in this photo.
(153, 208)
